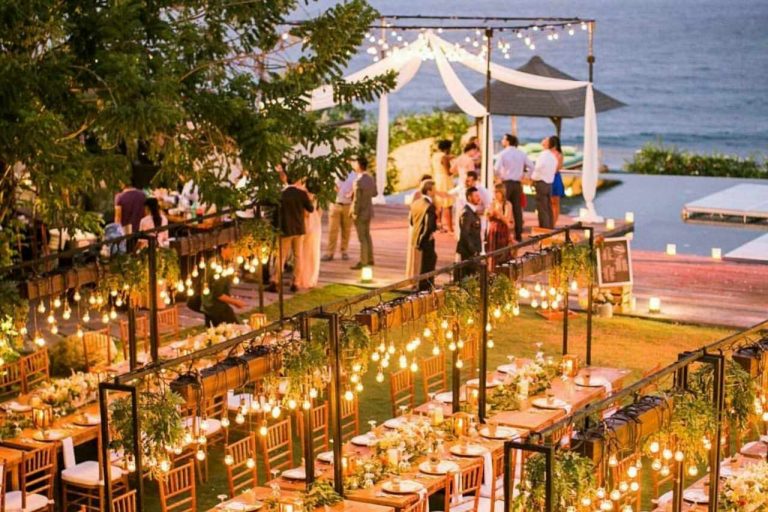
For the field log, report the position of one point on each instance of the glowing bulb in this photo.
(263, 429)
(613, 461)
(414, 367)
(348, 395)
(86, 317)
(200, 455)
(313, 393)
(634, 486)
(51, 319)
(229, 460)
(679, 456)
(250, 463)
(276, 412)
(632, 472)
(435, 350)
(664, 471)
(105, 318)
(57, 303)
(225, 422)
(239, 419)
(656, 465)
(654, 447)
(165, 465)
(41, 307)
(615, 495)
(380, 377)
(459, 364)
(693, 470)
(80, 332)
(76, 297)
(667, 454)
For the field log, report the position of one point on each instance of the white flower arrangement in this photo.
(746, 491)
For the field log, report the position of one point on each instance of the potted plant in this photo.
(603, 301)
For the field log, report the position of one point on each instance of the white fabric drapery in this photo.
(406, 64)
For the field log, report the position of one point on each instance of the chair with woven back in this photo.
(350, 419)
(37, 472)
(257, 320)
(125, 502)
(177, 490)
(35, 369)
(142, 334)
(168, 321)
(420, 506)
(463, 493)
(240, 460)
(277, 447)
(434, 375)
(97, 349)
(320, 436)
(401, 390)
(11, 380)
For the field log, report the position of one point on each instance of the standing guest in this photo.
(294, 203)
(441, 170)
(558, 188)
(511, 165)
(362, 210)
(339, 218)
(543, 175)
(423, 223)
(460, 192)
(499, 221)
(310, 254)
(477, 158)
(412, 254)
(470, 241)
(129, 208)
(153, 219)
(465, 162)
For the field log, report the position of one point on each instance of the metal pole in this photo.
(549, 457)
(279, 268)
(481, 397)
(678, 484)
(154, 335)
(591, 53)
(455, 372)
(335, 401)
(565, 299)
(487, 141)
(132, 346)
(260, 274)
(309, 445)
(718, 399)
(590, 284)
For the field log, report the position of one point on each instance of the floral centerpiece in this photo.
(13, 424)
(411, 439)
(747, 490)
(66, 395)
(367, 472)
(220, 333)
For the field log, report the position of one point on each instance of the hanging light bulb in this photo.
(375, 356)
(613, 461)
(632, 472)
(263, 430)
(41, 307)
(229, 459)
(664, 470)
(80, 332)
(200, 455)
(112, 314)
(56, 303)
(427, 332)
(51, 319)
(239, 419)
(634, 486)
(39, 340)
(225, 421)
(656, 465)
(623, 486)
(165, 465)
(654, 447)
(105, 318)
(435, 350)
(516, 310)
(306, 405)
(250, 463)
(615, 495)
(359, 387)
(459, 364)
(693, 470)
(76, 297)
(312, 393)
(666, 454)
(54, 329)
(679, 456)
(490, 343)
(380, 377)
(206, 290)
(414, 366)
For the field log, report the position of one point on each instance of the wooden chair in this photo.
(401, 390)
(320, 423)
(419, 506)
(257, 321)
(177, 490)
(468, 356)
(215, 408)
(125, 502)
(619, 473)
(142, 334)
(11, 381)
(97, 344)
(350, 419)
(494, 492)
(241, 468)
(277, 447)
(434, 375)
(37, 471)
(35, 369)
(562, 436)
(467, 495)
(82, 484)
(168, 321)
(2, 484)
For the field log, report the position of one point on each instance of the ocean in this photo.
(693, 73)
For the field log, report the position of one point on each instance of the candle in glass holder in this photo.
(459, 427)
(654, 305)
(570, 365)
(523, 388)
(610, 224)
(393, 457)
(438, 419)
(671, 249)
(717, 253)
(629, 216)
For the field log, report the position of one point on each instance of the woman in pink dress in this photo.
(499, 222)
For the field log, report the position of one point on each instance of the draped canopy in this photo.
(406, 63)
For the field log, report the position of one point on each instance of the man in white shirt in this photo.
(511, 165)
(459, 193)
(543, 175)
(339, 218)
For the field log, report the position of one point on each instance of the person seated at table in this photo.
(217, 304)
(152, 219)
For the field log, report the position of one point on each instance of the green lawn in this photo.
(630, 343)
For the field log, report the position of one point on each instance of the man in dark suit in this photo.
(470, 242)
(362, 210)
(424, 222)
(294, 202)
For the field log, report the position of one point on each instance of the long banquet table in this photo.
(259, 494)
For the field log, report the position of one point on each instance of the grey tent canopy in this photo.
(512, 100)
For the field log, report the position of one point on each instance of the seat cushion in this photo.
(87, 474)
(34, 502)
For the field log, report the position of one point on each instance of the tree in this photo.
(89, 86)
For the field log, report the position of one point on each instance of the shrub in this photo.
(659, 159)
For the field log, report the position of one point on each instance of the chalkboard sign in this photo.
(614, 262)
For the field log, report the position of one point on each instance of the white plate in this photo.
(468, 450)
(442, 468)
(748, 450)
(89, 420)
(406, 487)
(508, 368)
(446, 397)
(696, 496)
(295, 474)
(545, 403)
(502, 433)
(17, 407)
(236, 506)
(726, 471)
(363, 440)
(51, 435)
(326, 457)
(488, 383)
(394, 423)
(594, 382)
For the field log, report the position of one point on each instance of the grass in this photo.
(631, 343)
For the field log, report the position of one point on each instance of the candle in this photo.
(439, 415)
(610, 224)
(654, 305)
(717, 253)
(671, 249)
(629, 216)
(345, 466)
(366, 274)
(393, 457)
(523, 389)
(459, 430)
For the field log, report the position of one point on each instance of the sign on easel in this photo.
(614, 262)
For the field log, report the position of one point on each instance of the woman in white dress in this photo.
(310, 257)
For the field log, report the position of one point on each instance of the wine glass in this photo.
(222, 498)
(372, 432)
(403, 411)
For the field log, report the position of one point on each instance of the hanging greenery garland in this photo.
(573, 476)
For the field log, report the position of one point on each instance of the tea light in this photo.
(459, 427)
(717, 253)
(654, 305)
(583, 212)
(629, 216)
(671, 249)
(366, 275)
(610, 224)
